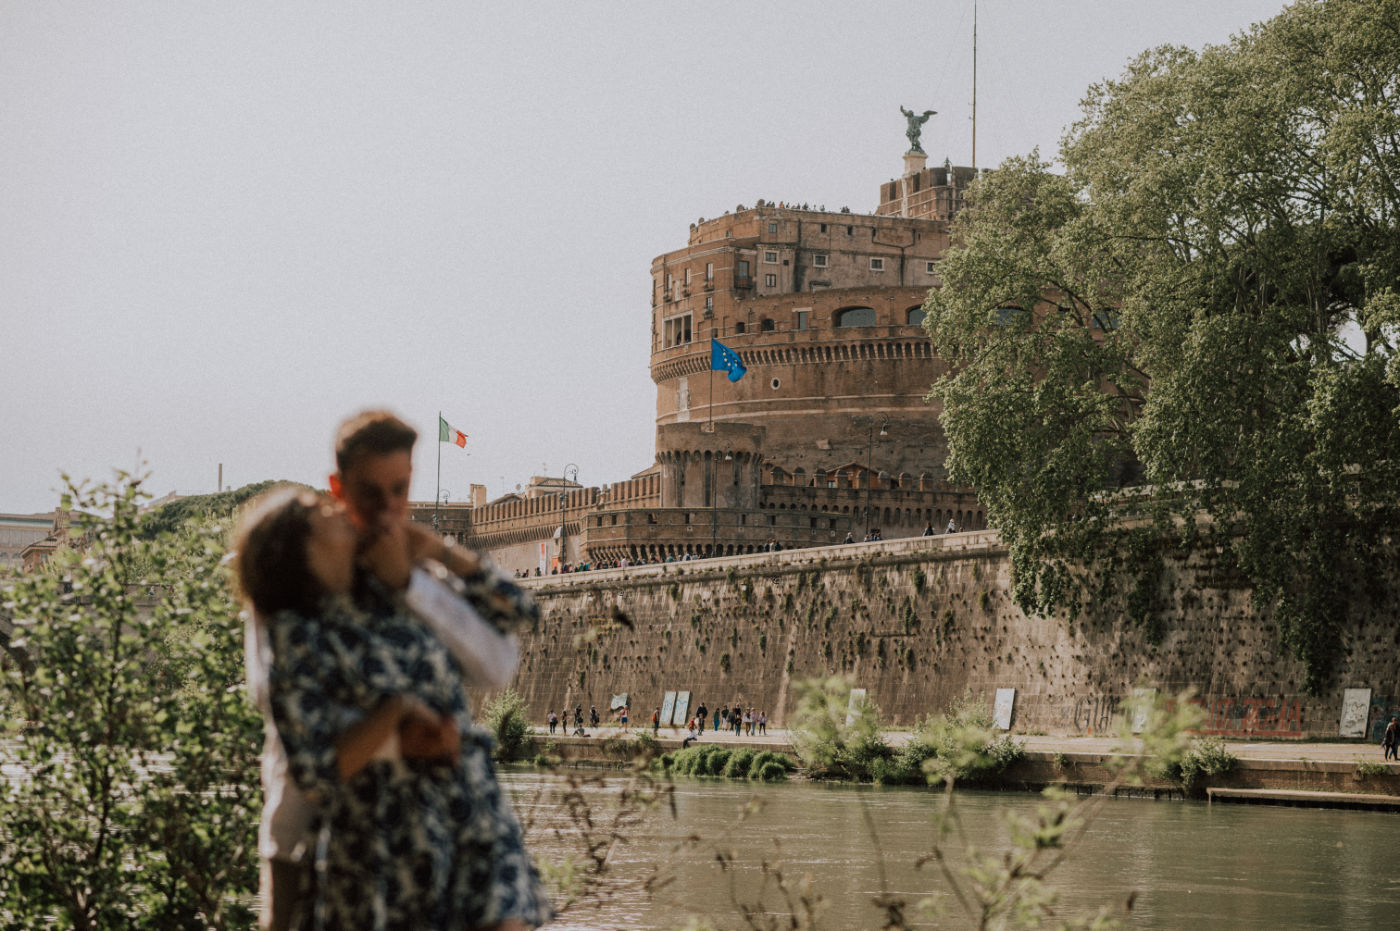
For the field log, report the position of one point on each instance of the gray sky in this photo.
(224, 226)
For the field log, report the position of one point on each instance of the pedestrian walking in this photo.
(1391, 739)
(553, 720)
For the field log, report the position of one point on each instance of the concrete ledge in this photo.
(1305, 799)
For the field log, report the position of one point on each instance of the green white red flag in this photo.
(450, 434)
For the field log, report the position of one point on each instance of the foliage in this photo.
(1207, 299)
(716, 760)
(1204, 758)
(507, 717)
(826, 744)
(219, 506)
(1371, 768)
(126, 713)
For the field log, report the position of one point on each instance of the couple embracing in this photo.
(381, 806)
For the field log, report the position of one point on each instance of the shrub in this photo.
(765, 757)
(965, 745)
(772, 772)
(738, 764)
(716, 760)
(1205, 757)
(825, 743)
(507, 718)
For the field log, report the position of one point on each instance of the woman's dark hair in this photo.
(270, 552)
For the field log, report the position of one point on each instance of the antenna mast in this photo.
(974, 85)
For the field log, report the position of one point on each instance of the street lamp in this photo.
(570, 475)
(870, 461)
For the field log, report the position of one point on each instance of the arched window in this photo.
(914, 316)
(1006, 316)
(855, 316)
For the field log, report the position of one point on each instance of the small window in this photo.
(767, 325)
(709, 303)
(823, 227)
(740, 327)
(669, 281)
(776, 384)
(933, 268)
(770, 258)
(877, 265)
(770, 281)
(802, 316)
(709, 271)
(819, 260)
(850, 230)
(687, 277)
(743, 270)
(772, 227)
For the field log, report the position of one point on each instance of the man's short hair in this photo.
(371, 433)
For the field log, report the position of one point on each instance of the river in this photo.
(1191, 865)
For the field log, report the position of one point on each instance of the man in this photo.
(700, 714)
(374, 466)
(1391, 739)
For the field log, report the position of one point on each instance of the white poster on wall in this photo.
(1142, 708)
(1356, 709)
(682, 710)
(1001, 711)
(853, 705)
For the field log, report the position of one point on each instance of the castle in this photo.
(826, 435)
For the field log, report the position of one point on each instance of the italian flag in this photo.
(449, 434)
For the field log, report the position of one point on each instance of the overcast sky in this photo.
(225, 226)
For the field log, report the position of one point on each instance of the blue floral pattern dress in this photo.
(405, 844)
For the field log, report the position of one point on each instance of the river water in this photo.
(1191, 865)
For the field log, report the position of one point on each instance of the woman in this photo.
(373, 715)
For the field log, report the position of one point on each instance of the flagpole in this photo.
(437, 486)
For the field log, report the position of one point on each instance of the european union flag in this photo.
(724, 359)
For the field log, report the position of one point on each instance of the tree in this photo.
(1208, 290)
(124, 709)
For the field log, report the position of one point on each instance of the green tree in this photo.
(1207, 292)
(124, 710)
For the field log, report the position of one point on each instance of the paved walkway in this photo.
(1299, 751)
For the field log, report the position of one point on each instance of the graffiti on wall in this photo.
(1275, 716)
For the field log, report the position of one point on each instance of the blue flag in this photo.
(724, 359)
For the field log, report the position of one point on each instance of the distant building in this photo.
(827, 434)
(19, 531)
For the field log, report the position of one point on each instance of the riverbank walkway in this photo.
(1265, 772)
(1300, 751)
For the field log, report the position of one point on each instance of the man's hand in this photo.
(431, 737)
(387, 554)
(425, 544)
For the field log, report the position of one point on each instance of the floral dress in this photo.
(405, 844)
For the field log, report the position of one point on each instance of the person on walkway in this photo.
(553, 721)
(717, 717)
(578, 722)
(700, 714)
(736, 719)
(1391, 739)
(656, 722)
(593, 716)
(763, 722)
(372, 713)
(625, 710)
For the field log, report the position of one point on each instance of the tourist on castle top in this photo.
(929, 531)
(849, 538)
(952, 528)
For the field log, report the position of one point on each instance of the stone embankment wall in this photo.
(920, 622)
